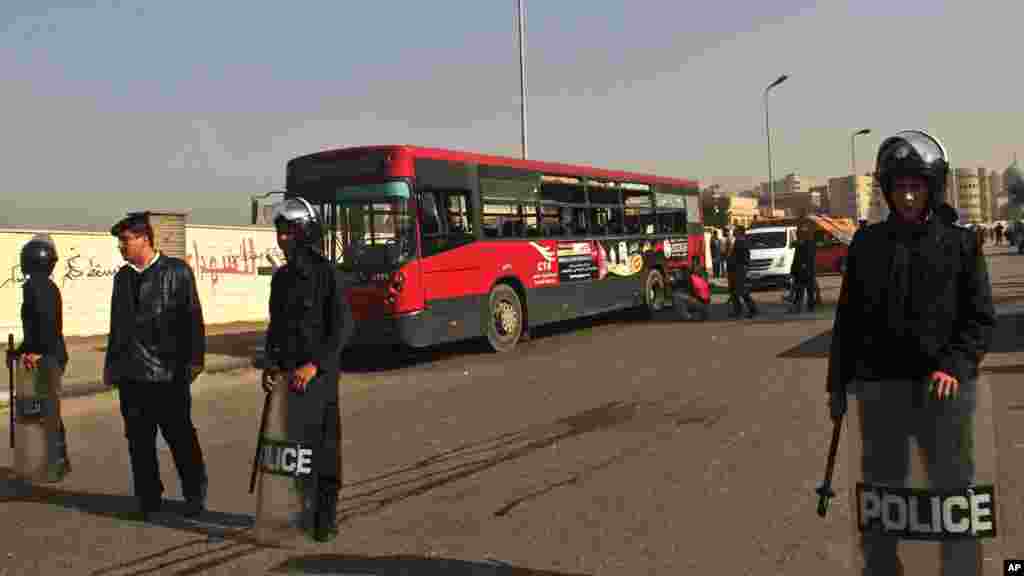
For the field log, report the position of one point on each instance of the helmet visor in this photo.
(912, 145)
(294, 210)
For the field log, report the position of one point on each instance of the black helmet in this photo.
(297, 212)
(913, 153)
(38, 256)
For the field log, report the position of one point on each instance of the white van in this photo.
(772, 249)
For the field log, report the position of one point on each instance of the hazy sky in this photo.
(196, 105)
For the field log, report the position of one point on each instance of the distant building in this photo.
(742, 211)
(819, 197)
(879, 210)
(786, 187)
(850, 197)
(984, 195)
(998, 195)
(969, 195)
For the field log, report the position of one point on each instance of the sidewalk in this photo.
(228, 347)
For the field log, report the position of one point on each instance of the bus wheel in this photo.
(654, 291)
(504, 318)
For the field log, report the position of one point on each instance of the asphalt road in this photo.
(616, 446)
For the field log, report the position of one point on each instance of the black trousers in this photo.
(147, 406)
(740, 295)
(805, 287)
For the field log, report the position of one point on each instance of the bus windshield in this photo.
(376, 228)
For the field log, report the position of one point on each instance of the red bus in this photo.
(440, 245)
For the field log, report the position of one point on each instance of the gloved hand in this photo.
(270, 376)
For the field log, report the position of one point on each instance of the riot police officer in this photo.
(310, 323)
(43, 324)
(914, 321)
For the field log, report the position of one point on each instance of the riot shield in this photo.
(292, 459)
(923, 479)
(40, 449)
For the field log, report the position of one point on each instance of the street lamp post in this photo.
(853, 166)
(522, 72)
(771, 182)
(853, 150)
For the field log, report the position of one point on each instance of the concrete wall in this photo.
(232, 265)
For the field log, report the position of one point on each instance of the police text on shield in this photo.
(927, 515)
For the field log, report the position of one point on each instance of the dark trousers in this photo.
(716, 267)
(890, 416)
(145, 407)
(740, 295)
(805, 287)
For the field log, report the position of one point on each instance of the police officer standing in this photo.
(803, 271)
(914, 321)
(310, 322)
(42, 322)
(155, 350)
(739, 261)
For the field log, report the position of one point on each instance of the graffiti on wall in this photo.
(231, 266)
(246, 261)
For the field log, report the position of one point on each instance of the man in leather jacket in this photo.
(155, 350)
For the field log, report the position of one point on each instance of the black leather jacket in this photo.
(310, 317)
(913, 301)
(156, 323)
(42, 320)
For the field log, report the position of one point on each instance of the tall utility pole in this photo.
(771, 181)
(522, 71)
(853, 166)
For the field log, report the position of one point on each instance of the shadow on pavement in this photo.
(402, 566)
(223, 537)
(1007, 339)
(213, 525)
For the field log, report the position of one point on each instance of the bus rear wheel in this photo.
(654, 291)
(504, 318)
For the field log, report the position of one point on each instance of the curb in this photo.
(90, 386)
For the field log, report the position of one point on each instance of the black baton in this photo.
(259, 444)
(10, 375)
(825, 493)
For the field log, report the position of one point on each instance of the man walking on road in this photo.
(738, 264)
(155, 350)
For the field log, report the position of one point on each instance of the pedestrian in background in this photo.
(155, 350)
(738, 264)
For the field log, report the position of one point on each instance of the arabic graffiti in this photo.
(73, 270)
(16, 278)
(244, 263)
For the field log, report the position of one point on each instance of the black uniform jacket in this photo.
(42, 320)
(310, 320)
(740, 260)
(803, 267)
(156, 323)
(913, 301)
